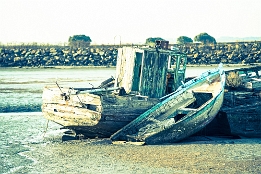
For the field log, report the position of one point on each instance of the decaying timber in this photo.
(242, 103)
(143, 76)
(180, 114)
(93, 115)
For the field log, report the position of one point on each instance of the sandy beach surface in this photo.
(28, 145)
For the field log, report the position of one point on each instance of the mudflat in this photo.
(28, 147)
(99, 156)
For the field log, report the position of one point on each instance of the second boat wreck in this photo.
(180, 114)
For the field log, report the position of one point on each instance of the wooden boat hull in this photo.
(189, 126)
(243, 102)
(92, 115)
(161, 124)
(143, 76)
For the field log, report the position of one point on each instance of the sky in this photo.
(126, 21)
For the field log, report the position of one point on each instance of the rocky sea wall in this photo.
(227, 53)
(198, 54)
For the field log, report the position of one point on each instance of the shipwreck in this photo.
(150, 85)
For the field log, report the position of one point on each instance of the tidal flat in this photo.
(30, 145)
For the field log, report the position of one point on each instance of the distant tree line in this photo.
(204, 38)
(81, 41)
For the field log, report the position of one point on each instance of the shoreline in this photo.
(79, 67)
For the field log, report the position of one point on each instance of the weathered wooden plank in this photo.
(72, 114)
(126, 108)
(124, 68)
(137, 71)
(67, 119)
(126, 101)
(154, 74)
(128, 142)
(127, 117)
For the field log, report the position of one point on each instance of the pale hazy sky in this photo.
(131, 21)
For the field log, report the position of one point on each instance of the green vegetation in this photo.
(184, 40)
(233, 80)
(79, 41)
(151, 41)
(205, 38)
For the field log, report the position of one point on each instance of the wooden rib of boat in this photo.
(143, 76)
(181, 114)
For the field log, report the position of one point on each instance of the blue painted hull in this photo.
(161, 123)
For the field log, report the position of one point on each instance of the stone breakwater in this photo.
(227, 53)
(57, 56)
(198, 54)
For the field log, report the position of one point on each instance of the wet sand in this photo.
(26, 148)
(101, 157)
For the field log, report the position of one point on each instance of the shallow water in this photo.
(21, 88)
